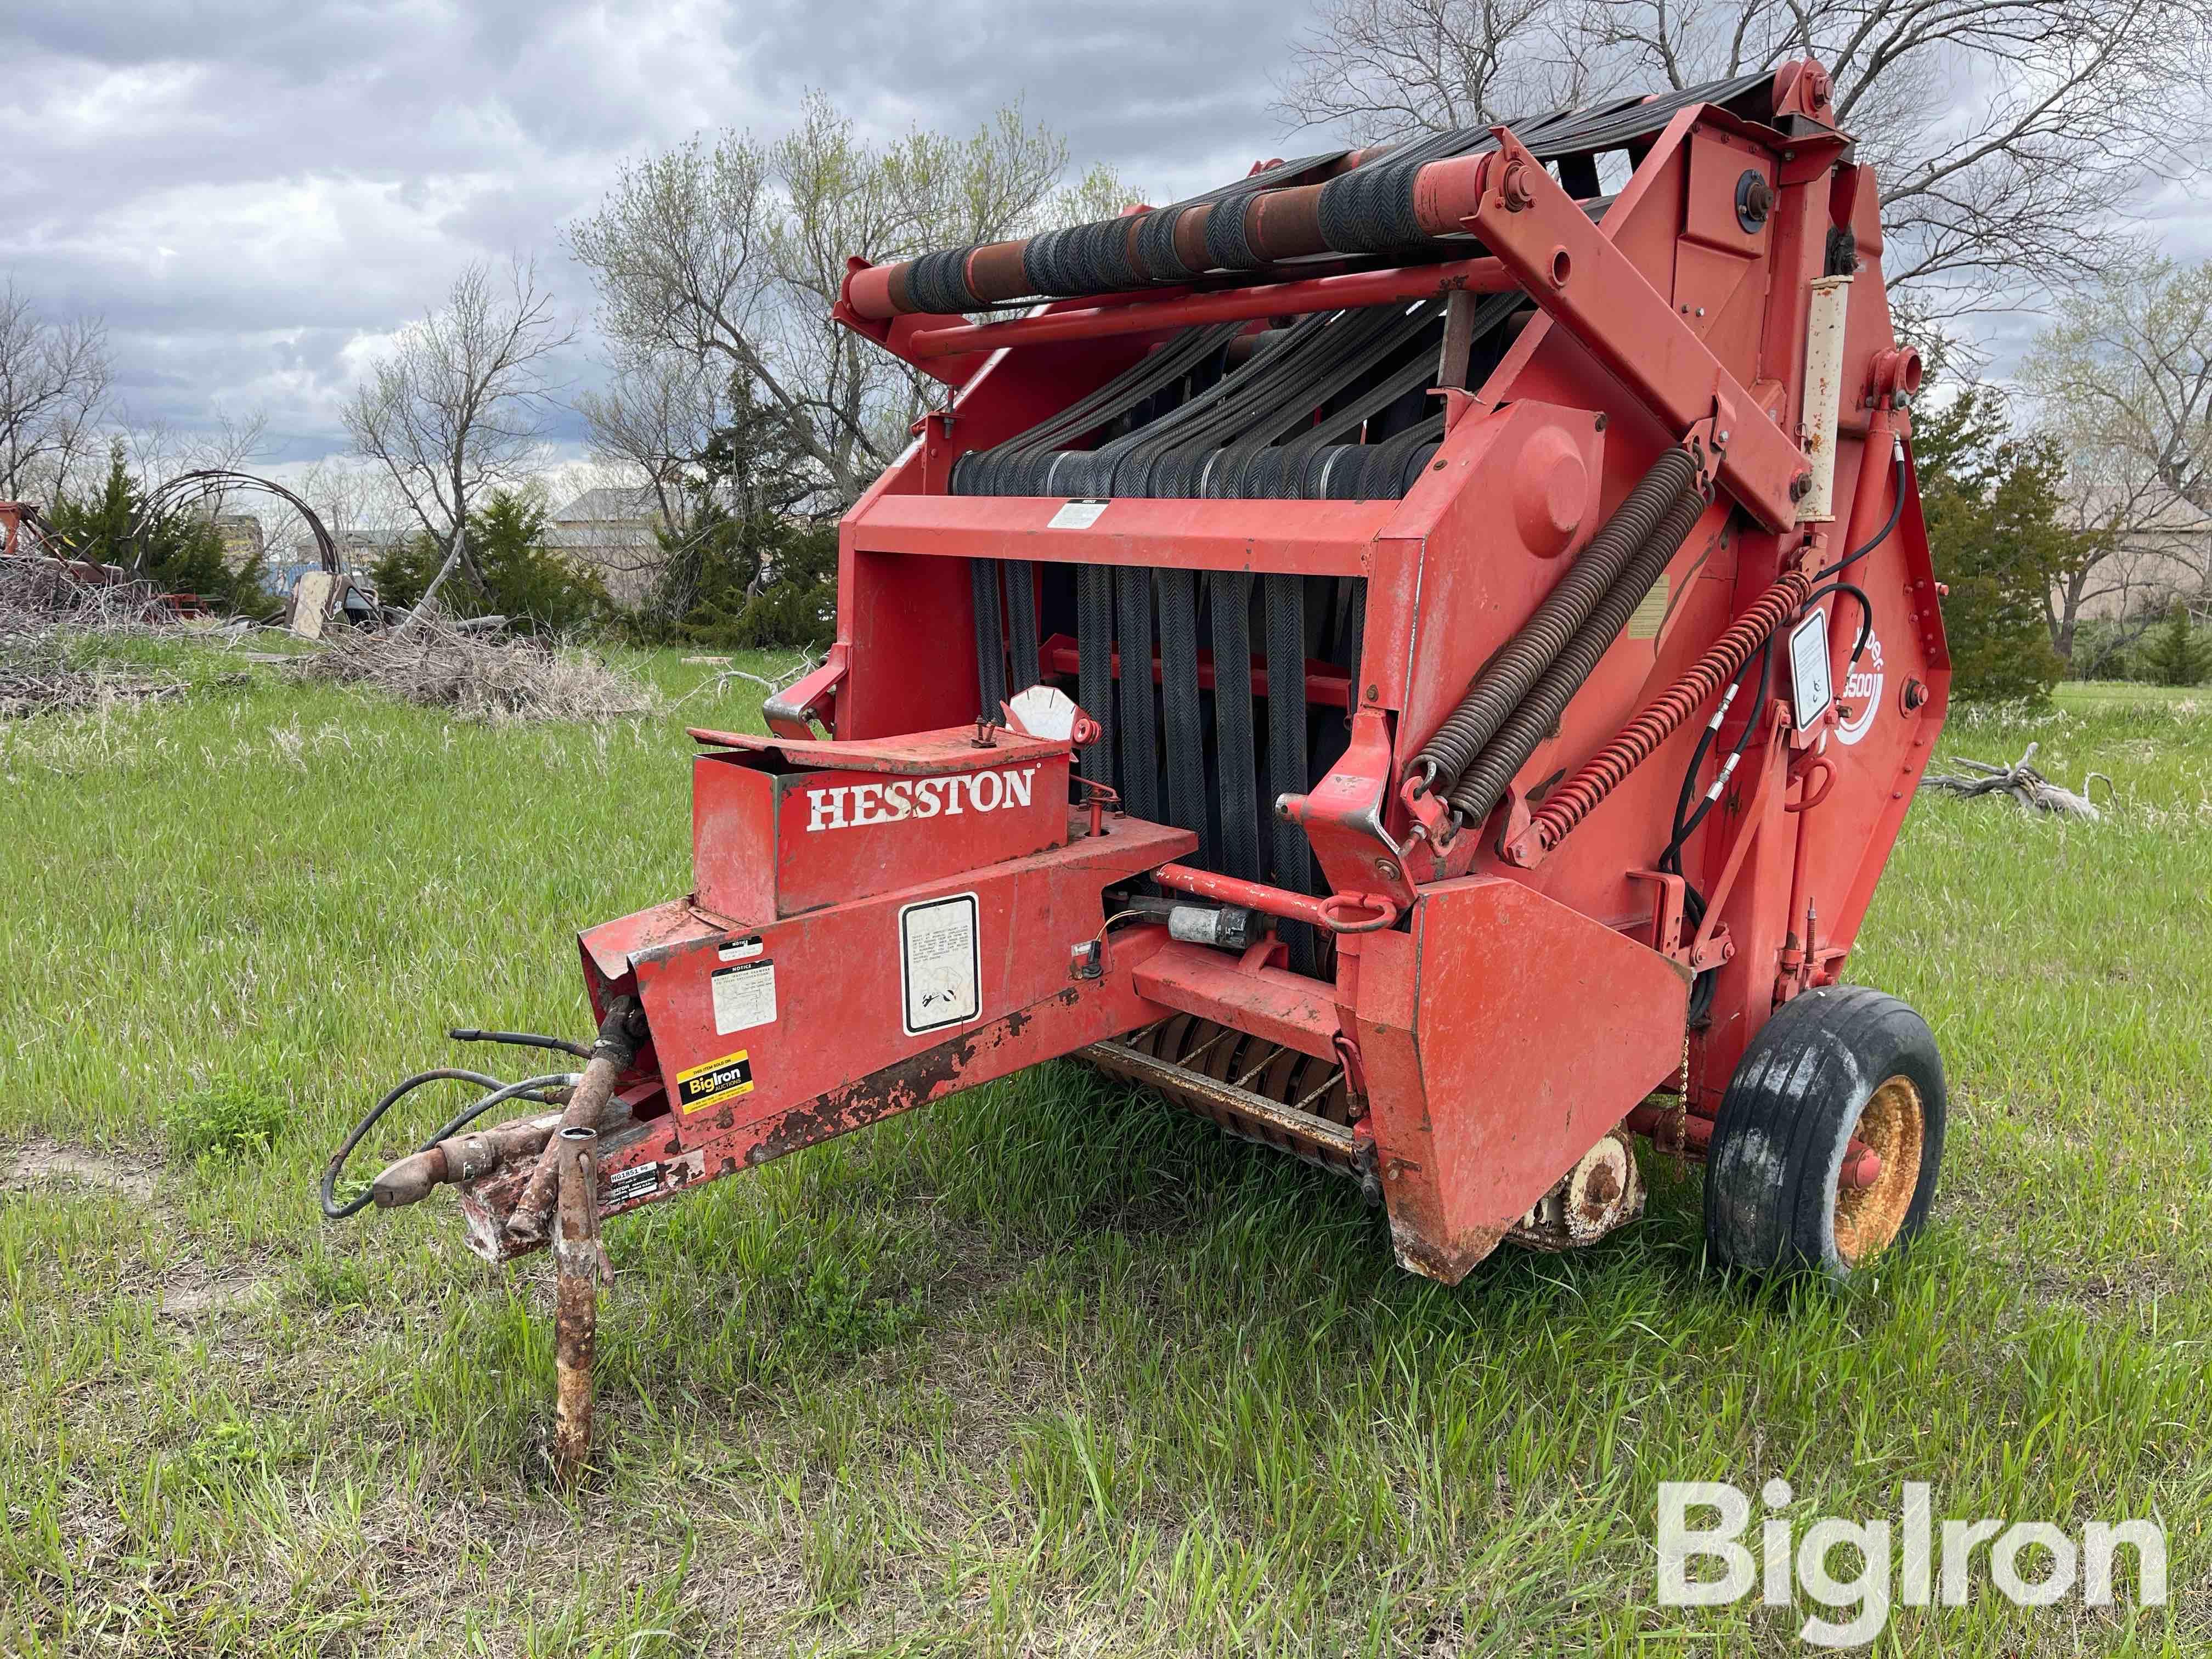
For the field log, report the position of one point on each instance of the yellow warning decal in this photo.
(717, 1081)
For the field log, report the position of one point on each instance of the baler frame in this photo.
(1505, 966)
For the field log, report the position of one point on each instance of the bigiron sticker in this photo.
(717, 1081)
(851, 805)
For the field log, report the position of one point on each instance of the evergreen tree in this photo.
(177, 552)
(537, 587)
(2175, 653)
(1992, 503)
(746, 572)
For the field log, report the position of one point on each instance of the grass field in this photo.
(1047, 1368)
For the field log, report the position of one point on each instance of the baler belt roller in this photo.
(1373, 203)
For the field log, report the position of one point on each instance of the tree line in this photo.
(2071, 510)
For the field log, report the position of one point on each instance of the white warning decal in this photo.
(1075, 515)
(940, 963)
(744, 997)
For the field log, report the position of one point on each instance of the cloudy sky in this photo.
(254, 193)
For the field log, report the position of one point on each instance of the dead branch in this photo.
(442, 663)
(2019, 780)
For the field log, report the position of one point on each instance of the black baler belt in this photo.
(1235, 759)
(1140, 765)
(1286, 748)
(1022, 623)
(1179, 707)
(1094, 665)
(1015, 467)
(990, 639)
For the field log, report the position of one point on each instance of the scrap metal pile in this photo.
(1414, 655)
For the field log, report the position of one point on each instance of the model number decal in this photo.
(1862, 691)
(849, 806)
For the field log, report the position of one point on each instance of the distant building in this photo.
(611, 534)
(245, 542)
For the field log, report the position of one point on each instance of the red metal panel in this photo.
(1533, 1031)
(834, 1013)
(1283, 1007)
(769, 841)
(1572, 270)
(1319, 539)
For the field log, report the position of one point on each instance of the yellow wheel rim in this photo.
(1868, 1219)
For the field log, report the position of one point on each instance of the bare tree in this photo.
(456, 405)
(55, 378)
(651, 425)
(726, 253)
(2003, 132)
(2126, 374)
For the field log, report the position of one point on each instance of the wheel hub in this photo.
(1868, 1219)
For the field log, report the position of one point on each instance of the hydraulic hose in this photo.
(1503, 682)
(1483, 785)
(1603, 772)
(531, 1087)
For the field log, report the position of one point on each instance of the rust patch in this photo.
(896, 1088)
(1446, 1263)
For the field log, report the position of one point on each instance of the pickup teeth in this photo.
(1256, 1090)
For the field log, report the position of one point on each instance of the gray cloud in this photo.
(251, 192)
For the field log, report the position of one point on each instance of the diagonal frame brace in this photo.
(1572, 270)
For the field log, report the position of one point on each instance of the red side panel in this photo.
(1502, 1038)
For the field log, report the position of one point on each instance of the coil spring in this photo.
(1498, 689)
(1483, 785)
(1603, 772)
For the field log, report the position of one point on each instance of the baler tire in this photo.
(1827, 1059)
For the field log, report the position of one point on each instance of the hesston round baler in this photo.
(1413, 656)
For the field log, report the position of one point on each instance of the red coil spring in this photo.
(1602, 772)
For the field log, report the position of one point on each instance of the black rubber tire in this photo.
(1789, 1115)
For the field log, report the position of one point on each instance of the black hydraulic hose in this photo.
(1866, 612)
(1753, 673)
(1503, 683)
(1896, 512)
(1689, 827)
(1483, 784)
(522, 1040)
(334, 1211)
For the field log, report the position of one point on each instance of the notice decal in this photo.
(940, 963)
(744, 996)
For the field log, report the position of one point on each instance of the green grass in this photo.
(2083, 696)
(1048, 1367)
